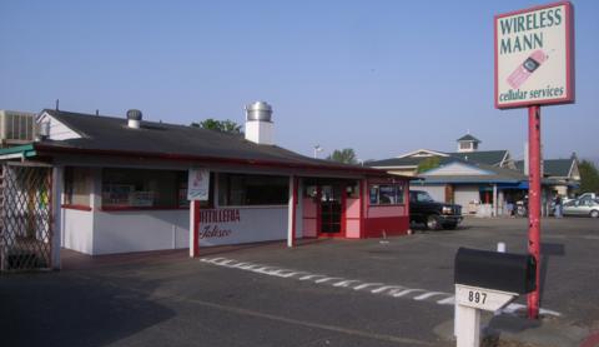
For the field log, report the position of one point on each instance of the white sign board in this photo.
(483, 298)
(534, 62)
(198, 184)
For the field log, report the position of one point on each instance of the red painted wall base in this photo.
(392, 226)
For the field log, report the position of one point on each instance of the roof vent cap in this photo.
(259, 111)
(134, 118)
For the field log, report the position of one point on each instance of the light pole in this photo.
(317, 149)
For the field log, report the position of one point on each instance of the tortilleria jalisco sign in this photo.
(534, 61)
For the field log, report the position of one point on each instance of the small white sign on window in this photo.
(198, 184)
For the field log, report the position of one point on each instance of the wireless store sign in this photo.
(533, 57)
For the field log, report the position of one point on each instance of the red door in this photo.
(332, 209)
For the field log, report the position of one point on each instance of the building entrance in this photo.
(331, 206)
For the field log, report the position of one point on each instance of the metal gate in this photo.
(25, 217)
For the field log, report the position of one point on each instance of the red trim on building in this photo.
(45, 149)
(140, 208)
(294, 202)
(196, 229)
(392, 226)
(362, 207)
(343, 224)
(77, 207)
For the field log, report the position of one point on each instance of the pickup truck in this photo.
(434, 215)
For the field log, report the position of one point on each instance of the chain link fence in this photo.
(25, 217)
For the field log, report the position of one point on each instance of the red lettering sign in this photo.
(220, 216)
(210, 231)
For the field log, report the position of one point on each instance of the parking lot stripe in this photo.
(428, 295)
(322, 280)
(449, 301)
(385, 288)
(394, 291)
(309, 277)
(366, 285)
(344, 284)
(406, 292)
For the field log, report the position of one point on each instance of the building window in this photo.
(465, 145)
(242, 190)
(486, 195)
(386, 194)
(353, 190)
(137, 188)
(77, 186)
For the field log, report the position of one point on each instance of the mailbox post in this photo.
(487, 281)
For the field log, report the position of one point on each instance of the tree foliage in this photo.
(346, 156)
(428, 164)
(224, 126)
(589, 177)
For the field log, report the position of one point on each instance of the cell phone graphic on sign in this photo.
(524, 70)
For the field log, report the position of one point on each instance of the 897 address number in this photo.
(477, 297)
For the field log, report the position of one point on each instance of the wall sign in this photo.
(198, 184)
(534, 62)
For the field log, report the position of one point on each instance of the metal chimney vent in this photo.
(259, 111)
(134, 118)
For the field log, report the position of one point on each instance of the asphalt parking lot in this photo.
(393, 292)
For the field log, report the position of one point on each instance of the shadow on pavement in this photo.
(54, 309)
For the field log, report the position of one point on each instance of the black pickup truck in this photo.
(434, 215)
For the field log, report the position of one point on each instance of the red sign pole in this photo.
(534, 201)
(196, 228)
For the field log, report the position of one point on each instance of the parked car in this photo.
(434, 215)
(583, 196)
(584, 207)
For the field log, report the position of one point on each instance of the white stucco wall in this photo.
(464, 195)
(140, 230)
(436, 192)
(78, 230)
(135, 231)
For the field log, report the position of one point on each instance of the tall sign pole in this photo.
(534, 67)
(534, 202)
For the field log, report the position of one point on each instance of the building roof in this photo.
(111, 136)
(558, 167)
(552, 167)
(468, 137)
(492, 174)
(483, 157)
(395, 162)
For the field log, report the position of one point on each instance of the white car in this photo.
(585, 207)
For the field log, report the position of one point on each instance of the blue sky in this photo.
(381, 77)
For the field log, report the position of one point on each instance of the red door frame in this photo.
(342, 225)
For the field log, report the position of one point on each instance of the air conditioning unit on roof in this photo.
(16, 128)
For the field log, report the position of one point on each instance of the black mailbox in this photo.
(507, 272)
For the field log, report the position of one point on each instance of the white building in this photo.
(121, 185)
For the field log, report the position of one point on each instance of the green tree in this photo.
(428, 164)
(346, 156)
(224, 126)
(589, 177)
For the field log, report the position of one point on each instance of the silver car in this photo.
(584, 207)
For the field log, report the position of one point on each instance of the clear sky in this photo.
(381, 77)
